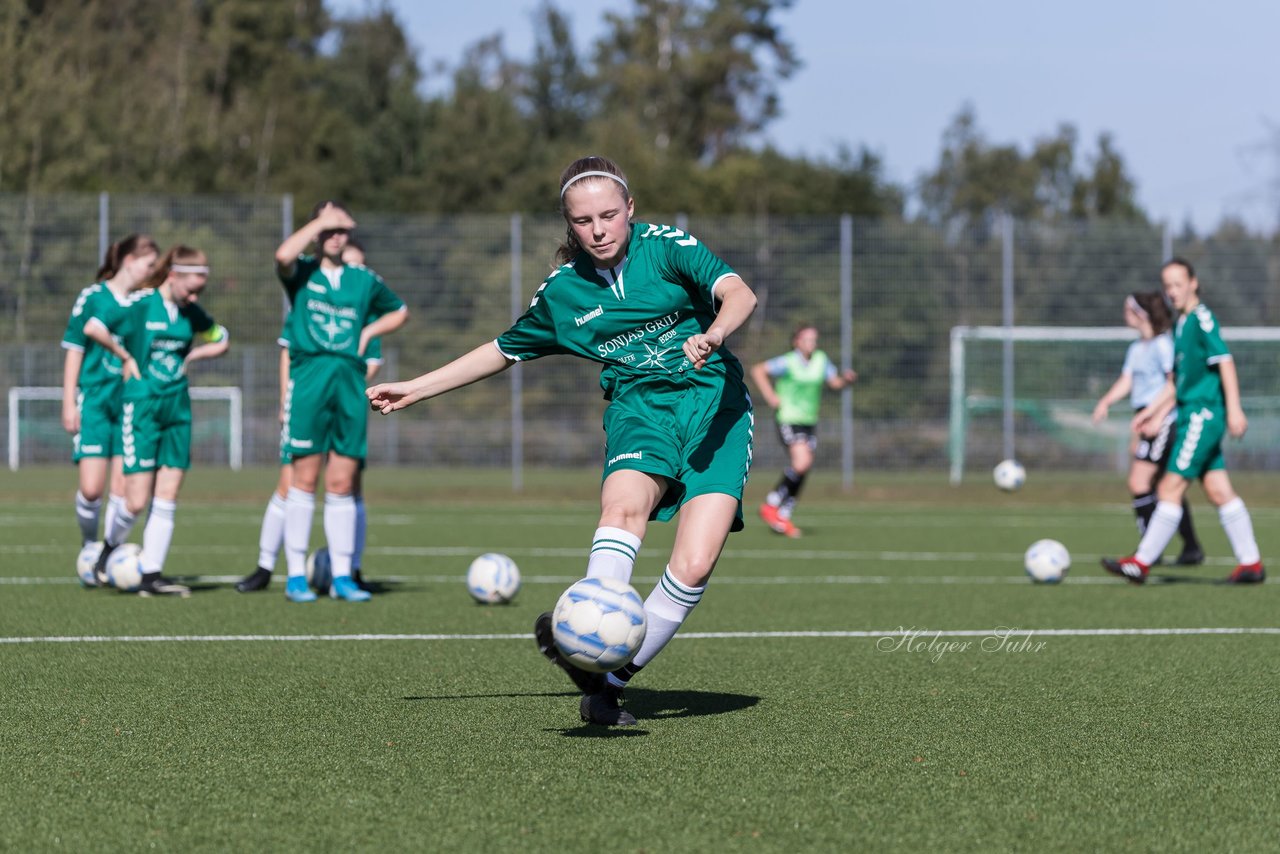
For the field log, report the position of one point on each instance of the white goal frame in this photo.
(229, 393)
(961, 335)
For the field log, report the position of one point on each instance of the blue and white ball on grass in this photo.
(124, 568)
(599, 624)
(86, 561)
(1047, 561)
(493, 579)
(320, 571)
(1009, 475)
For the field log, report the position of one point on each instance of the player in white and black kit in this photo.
(1147, 367)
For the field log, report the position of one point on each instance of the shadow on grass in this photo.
(593, 731)
(649, 704)
(495, 696)
(1182, 579)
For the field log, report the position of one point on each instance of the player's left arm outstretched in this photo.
(484, 361)
(737, 302)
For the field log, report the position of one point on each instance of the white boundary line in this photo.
(893, 633)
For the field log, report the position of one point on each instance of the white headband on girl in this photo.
(1132, 304)
(580, 176)
(190, 268)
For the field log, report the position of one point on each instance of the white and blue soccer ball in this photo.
(86, 561)
(1047, 561)
(493, 578)
(320, 571)
(1009, 475)
(599, 624)
(124, 568)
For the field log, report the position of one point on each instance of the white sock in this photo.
(1239, 527)
(1160, 530)
(121, 525)
(340, 531)
(271, 538)
(158, 534)
(362, 528)
(667, 607)
(613, 554)
(87, 516)
(115, 503)
(299, 507)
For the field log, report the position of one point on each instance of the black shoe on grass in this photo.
(605, 708)
(1190, 557)
(155, 584)
(584, 681)
(259, 579)
(358, 578)
(100, 568)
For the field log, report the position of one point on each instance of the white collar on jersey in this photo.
(613, 275)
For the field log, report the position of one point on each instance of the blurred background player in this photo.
(92, 386)
(161, 331)
(331, 303)
(678, 423)
(271, 536)
(792, 385)
(1148, 366)
(1207, 391)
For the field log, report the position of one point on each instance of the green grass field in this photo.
(229, 721)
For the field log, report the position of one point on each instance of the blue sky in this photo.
(1187, 89)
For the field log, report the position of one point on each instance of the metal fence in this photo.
(883, 293)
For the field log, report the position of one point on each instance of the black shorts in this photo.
(795, 434)
(1155, 449)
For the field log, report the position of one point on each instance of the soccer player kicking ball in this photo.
(653, 306)
(1207, 391)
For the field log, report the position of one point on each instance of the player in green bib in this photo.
(336, 311)
(653, 306)
(92, 384)
(1207, 391)
(793, 384)
(162, 331)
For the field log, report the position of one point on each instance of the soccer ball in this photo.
(86, 561)
(1009, 475)
(124, 568)
(1047, 561)
(319, 571)
(599, 624)
(493, 578)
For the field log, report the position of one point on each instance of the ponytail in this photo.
(134, 244)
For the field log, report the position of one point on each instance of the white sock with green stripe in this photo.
(665, 610)
(613, 554)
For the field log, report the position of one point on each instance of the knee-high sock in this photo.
(793, 487)
(362, 529)
(87, 517)
(1239, 527)
(271, 538)
(613, 554)
(1186, 530)
(121, 525)
(115, 504)
(665, 610)
(299, 507)
(158, 534)
(340, 531)
(1143, 507)
(1160, 530)
(785, 491)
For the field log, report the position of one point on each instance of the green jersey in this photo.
(799, 383)
(331, 307)
(100, 367)
(159, 334)
(633, 318)
(1198, 348)
(372, 353)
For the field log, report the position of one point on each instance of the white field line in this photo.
(1004, 632)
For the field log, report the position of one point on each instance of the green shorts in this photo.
(155, 432)
(1198, 448)
(698, 437)
(99, 434)
(326, 409)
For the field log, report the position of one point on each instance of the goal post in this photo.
(1059, 372)
(48, 428)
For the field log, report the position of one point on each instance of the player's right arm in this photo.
(70, 384)
(1146, 421)
(484, 361)
(760, 374)
(284, 379)
(98, 331)
(329, 219)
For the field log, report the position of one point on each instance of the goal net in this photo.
(1058, 374)
(36, 435)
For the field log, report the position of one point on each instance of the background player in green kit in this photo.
(1207, 391)
(331, 303)
(91, 381)
(654, 307)
(160, 333)
(792, 384)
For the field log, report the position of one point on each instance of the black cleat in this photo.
(1130, 569)
(1190, 557)
(259, 579)
(605, 708)
(100, 568)
(583, 680)
(155, 584)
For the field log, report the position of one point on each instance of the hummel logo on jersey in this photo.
(157, 325)
(589, 316)
(638, 455)
(312, 286)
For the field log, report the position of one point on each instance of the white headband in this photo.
(190, 268)
(580, 176)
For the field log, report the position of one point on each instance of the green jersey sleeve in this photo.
(689, 261)
(373, 353)
(294, 280)
(1215, 349)
(199, 319)
(533, 335)
(382, 300)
